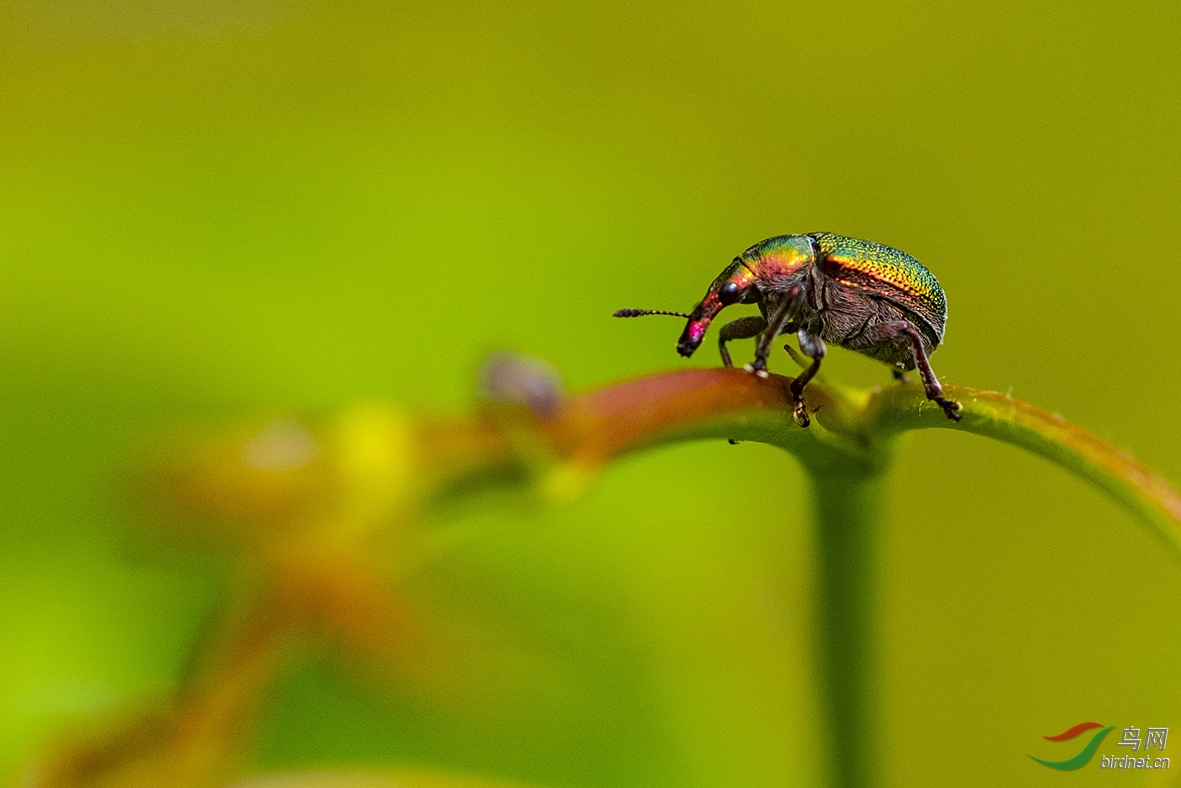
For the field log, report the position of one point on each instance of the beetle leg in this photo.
(742, 328)
(776, 322)
(813, 347)
(900, 328)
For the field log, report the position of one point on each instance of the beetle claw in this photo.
(759, 369)
(800, 413)
(950, 407)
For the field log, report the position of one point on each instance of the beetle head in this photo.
(735, 285)
(769, 266)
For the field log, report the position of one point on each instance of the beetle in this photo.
(824, 287)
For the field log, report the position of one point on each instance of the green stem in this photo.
(848, 510)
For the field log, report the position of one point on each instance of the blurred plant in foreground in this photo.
(325, 520)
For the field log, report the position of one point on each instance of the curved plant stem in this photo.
(530, 436)
(844, 452)
(1046, 434)
(848, 432)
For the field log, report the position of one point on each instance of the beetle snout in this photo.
(698, 323)
(691, 337)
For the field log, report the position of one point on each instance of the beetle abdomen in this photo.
(851, 319)
(887, 273)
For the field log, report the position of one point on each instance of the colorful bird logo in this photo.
(1084, 755)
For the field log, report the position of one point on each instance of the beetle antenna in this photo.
(642, 312)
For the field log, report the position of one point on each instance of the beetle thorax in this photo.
(780, 263)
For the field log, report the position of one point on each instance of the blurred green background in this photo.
(216, 209)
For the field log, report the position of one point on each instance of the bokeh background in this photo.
(211, 210)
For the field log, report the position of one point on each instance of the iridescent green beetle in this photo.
(860, 295)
